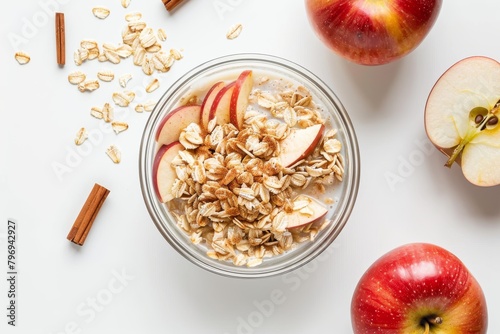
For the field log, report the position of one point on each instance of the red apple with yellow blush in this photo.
(418, 288)
(372, 32)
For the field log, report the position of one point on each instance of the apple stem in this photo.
(471, 133)
(427, 327)
(431, 321)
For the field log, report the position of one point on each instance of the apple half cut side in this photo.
(171, 126)
(239, 98)
(299, 144)
(163, 173)
(308, 211)
(461, 118)
(206, 105)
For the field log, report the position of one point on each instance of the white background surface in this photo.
(41, 112)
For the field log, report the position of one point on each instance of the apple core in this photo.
(480, 119)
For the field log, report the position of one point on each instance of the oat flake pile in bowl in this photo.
(249, 166)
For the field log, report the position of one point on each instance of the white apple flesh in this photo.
(174, 122)
(239, 99)
(310, 213)
(163, 173)
(299, 144)
(461, 118)
(206, 105)
(221, 105)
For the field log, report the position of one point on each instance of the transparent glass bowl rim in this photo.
(154, 206)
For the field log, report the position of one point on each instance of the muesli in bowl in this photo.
(249, 166)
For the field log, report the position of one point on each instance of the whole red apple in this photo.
(418, 289)
(372, 32)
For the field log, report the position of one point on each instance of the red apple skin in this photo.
(372, 32)
(293, 141)
(239, 99)
(206, 105)
(172, 124)
(221, 104)
(172, 149)
(413, 282)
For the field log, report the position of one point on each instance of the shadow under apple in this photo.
(481, 201)
(374, 83)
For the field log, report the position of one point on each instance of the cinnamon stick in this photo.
(60, 39)
(88, 213)
(171, 4)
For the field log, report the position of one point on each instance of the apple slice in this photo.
(171, 126)
(239, 99)
(220, 105)
(307, 211)
(206, 105)
(461, 118)
(163, 172)
(299, 144)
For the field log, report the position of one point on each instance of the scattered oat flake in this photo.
(135, 16)
(88, 44)
(125, 3)
(89, 85)
(176, 54)
(162, 35)
(152, 86)
(234, 31)
(124, 51)
(81, 136)
(112, 56)
(123, 99)
(139, 107)
(119, 127)
(77, 58)
(114, 154)
(124, 79)
(97, 112)
(148, 66)
(106, 75)
(107, 112)
(100, 12)
(22, 57)
(76, 77)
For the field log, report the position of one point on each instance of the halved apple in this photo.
(163, 173)
(171, 126)
(220, 105)
(309, 211)
(206, 105)
(461, 118)
(239, 99)
(299, 144)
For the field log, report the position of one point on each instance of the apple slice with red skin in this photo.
(239, 99)
(171, 126)
(461, 118)
(206, 105)
(221, 103)
(418, 288)
(163, 173)
(299, 144)
(316, 213)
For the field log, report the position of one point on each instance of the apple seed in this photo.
(481, 119)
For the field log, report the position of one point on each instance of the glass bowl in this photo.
(344, 193)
